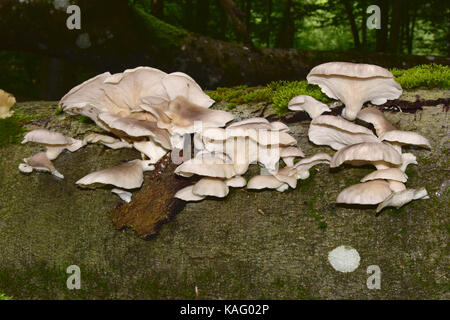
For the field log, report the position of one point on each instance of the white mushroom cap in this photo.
(405, 137)
(137, 128)
(344, 259)
(108, 141)
(355, 84)
(313, 107)
(366, 152)
(129, 175)
(151, 149)
(186, 194)
(211, 167)
(396, 186)
(398, 199)
(263, 137)
(407, 159)
(287, 175)
(7, 100)
(304, 165)
(376, 117)
(184, 113)
(337, 132)
(250, 121)
(367, 193)
(39, 162)
(288, 154)
(236, 182)
(54, 141)
(210, 187)
(265, 181)
(124, 195)
(180, 84)
(387, 174)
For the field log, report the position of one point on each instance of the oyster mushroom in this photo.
(55, 142)
(354, 84)
(7, 100)
(186, 194)
(302, 167)
(366, 193)
(124, 195)
(399, 199)
(311, 106)
(208, 186)
(375, 117)
(39, 162)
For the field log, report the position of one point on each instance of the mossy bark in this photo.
(254, 245)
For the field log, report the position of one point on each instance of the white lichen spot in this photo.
(344, 259)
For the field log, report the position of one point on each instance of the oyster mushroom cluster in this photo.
(223, 156)
(358, 145)
(142, 108)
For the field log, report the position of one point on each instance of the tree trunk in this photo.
(269, 22)
(351, 18)
(382, 34)
(286, 34)
(394, 36)
(158, 8)
(411, 31)
(241, 29)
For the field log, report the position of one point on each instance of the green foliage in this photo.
(3, 297)
(425, 75)
(11, 130)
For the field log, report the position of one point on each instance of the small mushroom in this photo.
(151, 149)
(396, 186)
(304, 165)
(210, 167)
(129, 175)
(366, 152)
(288, 154)
(108, 141)
(266, 181)
(39, 162)
(186, 194)
(337, 132)
(354, 84)
(55, 142)
(405, 137)
(124, 195)
(387, 174)
(311, 106)
(7, 100)
(399, 199)
(367, 193)
(236, 182)
(376, 117)
(210, 187)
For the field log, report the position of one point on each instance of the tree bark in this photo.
(232, 12)
(382, 34)
(394, 36)
(286, 33)
(351, 18)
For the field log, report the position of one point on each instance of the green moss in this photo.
(155, 30)
(59, 111)
(11, 129)
(84, 119)
(425, 75)
(4, 297)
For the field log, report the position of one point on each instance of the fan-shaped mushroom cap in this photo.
(337, 132)
(39, 162)
(376, 117)
(287, 175)
(399, 199)
(7, 100)
(236, 182)
(265, 181)
(126, 89)
(151, 149)
(405, 137)
(183, 114)
(396, 186)
(288, 154)
(54, 141)
(186, 194)
(108, 141)
(366, 152)
(210, 187)
(211, 167)
(367, 193)
(407, 159)
(180, 84)
(304, 165)
(249, 121)
(311, 106)
(137, 128)
(387, 174)
(354, 84)
(124, 195)
(263, 137)
(129, 175)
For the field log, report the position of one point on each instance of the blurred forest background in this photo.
(218, 42)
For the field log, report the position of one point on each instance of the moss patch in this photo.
(11, 129)
(427, 75)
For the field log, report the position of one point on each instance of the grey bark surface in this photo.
(250, 245)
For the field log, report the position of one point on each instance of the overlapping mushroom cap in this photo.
(354, 84)
(311, 106)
